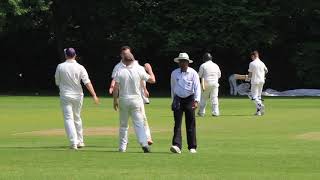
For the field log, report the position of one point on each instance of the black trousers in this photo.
(186, 106)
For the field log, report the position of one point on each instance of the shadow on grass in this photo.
(98, 149)
(236, 115)
(226, 115)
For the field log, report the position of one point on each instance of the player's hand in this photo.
(247, 79)
(146, 93)
(110, 90)
(96, 100)
(115, 105)
(195, 105)
(147, 67)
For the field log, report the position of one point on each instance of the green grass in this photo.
(235, 145)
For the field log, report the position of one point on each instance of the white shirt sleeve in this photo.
(197, 90)
(250, 67)
(115, 70)
(265, 69)
(219, 72)
(201, 71)
(144, 75)
(57, 76)
(172, 84)
(84, 76)
(116, 77)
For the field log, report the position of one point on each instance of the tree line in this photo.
(33, 34)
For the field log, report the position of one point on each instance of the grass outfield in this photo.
(283, 144)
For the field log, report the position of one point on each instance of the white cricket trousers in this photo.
(145, 122)
(212, 93)
(71, 108)
(256, 91)
(131, 107)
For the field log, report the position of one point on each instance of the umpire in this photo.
(186, 92)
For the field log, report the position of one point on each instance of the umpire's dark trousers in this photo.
(184, 105)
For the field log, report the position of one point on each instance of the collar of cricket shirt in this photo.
(71, 60)
(187, 71)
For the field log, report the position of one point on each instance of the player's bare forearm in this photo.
(203, 87)
(144, 87)
(91, 89)
(113, 82)
(115, 96)
(152, 78)
(92, 92)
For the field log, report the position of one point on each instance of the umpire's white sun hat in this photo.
(183, 56)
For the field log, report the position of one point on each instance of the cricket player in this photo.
(127, 98)
(68, 77)
(185, 92)
(209, 74)
(257, 71)
(144, 91)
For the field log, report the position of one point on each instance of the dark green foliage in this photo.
(33, 34)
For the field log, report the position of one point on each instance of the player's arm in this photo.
(114, 73)
(266, 70)
(92, 92)
(57, 76)
(144, 87)
(115, 96)
(111, 88)
(86, 81)
(197, 91)
(203, 86)
(200, 73)
(148, 68)
(249, 76)
(172, 84)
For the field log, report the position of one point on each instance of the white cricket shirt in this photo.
(258, 70)
(129, 80)
(120, 65)
(68, 77)
(211, 73)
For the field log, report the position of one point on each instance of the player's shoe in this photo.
(200, 114)
(81, 145)
(193, 151)
(216, 114)
(122, 150)
(175, 149)
(146, 149)
(258, 113)
(74, 147)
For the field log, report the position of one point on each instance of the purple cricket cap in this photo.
(70, 52)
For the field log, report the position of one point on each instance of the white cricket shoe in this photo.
(74, 147)
(175, 149)
(81, 145)
(193, 151)
(200, 114)
(122, 150)
(258, 113)
(216, 114)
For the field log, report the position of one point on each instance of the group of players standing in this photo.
(129, 91)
